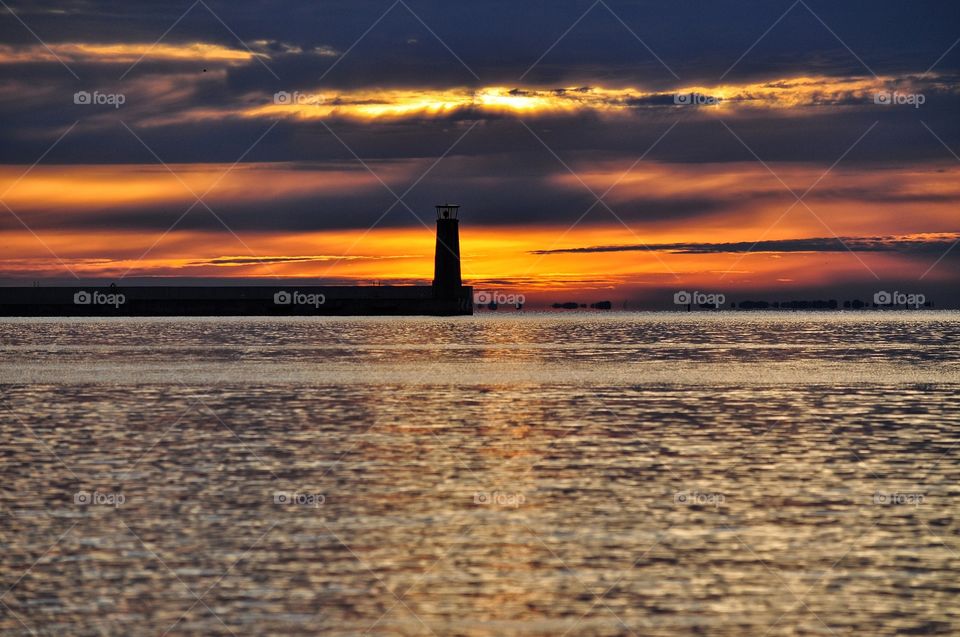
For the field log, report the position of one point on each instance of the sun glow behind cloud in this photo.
(784, 94)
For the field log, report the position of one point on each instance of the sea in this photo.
(534, 474)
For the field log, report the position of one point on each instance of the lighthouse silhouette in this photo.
(447, 283)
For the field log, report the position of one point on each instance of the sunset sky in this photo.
(818, 158)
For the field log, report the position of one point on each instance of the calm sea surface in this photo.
(541, 475)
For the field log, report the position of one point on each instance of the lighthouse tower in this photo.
(447, 283)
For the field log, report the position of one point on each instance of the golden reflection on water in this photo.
(454, 507)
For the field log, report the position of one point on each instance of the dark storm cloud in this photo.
(528, 188)
(937, 245)
(501, 41)
(498, 40)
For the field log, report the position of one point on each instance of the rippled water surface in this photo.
(543, 475)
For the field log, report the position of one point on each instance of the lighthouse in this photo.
(447, 283)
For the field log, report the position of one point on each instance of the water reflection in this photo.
(520, 507)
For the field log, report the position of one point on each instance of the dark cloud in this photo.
(842, 244)
(525, 187)
(29, 127)
(242, 261)
(500, 39)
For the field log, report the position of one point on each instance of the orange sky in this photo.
(56, 200)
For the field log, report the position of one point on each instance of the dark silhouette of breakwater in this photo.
(259, 300)
(446, 296)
